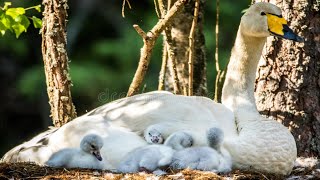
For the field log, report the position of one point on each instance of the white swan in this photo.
(87, 156)
(261, 143)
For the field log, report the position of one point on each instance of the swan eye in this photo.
(263, 13)
(150, 134)
(92, 146)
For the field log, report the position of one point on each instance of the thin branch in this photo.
(172, 59)
(123, 6)
(218, 85)
(162, 73)
(163, 66)
(217, 35)
(156, 8)
(148, 44)
(169, 5)
(140, 31)
(185, 91)
(162, 9)
(191, 46)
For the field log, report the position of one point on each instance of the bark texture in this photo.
(55, 60)
(180, 31)
(288, 82)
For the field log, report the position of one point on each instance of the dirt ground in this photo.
(32, 171)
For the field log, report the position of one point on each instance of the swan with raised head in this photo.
(87, 156)
(262, 143)
(253, 141)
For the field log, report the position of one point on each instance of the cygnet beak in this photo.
(155, 140)
(97, 154)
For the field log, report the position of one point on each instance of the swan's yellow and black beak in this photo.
(278, 27)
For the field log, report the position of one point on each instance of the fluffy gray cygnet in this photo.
(179, 140)
(87, 156)
(148, 158)
(204, 158)
(153, 135)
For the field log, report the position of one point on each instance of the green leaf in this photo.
(18, 29)
(6, 5)
(2, 28)
(37, 23)
(38, 8)
(15, 12)
(23, 20)
(7, 21)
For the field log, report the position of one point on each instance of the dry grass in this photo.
(33, 171)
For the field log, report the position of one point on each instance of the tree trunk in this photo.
(288, 82)
(55, 60)
(181, 27)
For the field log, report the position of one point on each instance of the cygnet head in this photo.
(215, 137)
(92, 144)
(264, 19)
(153, 136)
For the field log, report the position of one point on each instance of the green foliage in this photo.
(15, 19)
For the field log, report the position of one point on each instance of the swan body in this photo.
(87, 156)
(253, 141)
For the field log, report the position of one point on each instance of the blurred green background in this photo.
(103, 50)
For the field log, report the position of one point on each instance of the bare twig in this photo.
(123, 6)
(163, 11)
(172, 59)
(163, 66)
(148, 44)
(169, 5)
(185, 91)
(140, 31)
(218, 86)
(156, 8)
(191, 46)
(162, 73)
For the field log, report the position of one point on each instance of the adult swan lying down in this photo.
(253, 141)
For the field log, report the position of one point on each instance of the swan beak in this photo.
(278, 27)
(97, 154)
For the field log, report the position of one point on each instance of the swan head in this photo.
(92, 144)
(264, 19)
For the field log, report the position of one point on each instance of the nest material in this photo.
(24, 170)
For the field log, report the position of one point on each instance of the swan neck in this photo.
(238, 89)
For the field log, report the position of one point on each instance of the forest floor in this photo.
(14, 171)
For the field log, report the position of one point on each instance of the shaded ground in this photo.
(33, 171)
